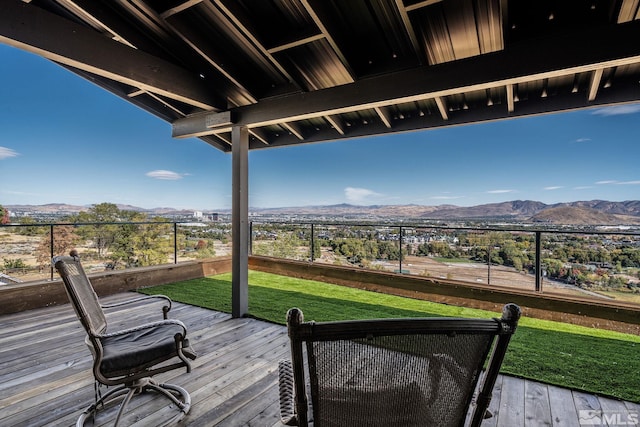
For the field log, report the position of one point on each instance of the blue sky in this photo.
(65, 140)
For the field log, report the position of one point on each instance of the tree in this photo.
(13, 263)
(4, 215)
(101, 235)
(423, 249)
(205, 249)
(64, 239)
(139, 245)
(31, 229)
(317, 250)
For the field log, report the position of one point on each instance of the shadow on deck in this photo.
(45, 376)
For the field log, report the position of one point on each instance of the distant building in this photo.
(197, 214)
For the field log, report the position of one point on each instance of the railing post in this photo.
(538, 261)
(400, 253)
(51, 252)
(312, 243)
(489, 263)
(250, 237)
(175, 242)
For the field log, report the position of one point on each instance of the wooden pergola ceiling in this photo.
(299, 71)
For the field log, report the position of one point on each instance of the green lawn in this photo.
(594, 360)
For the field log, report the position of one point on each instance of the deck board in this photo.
(537, 410)
(45, 375)
(563, 410)
(512, 403)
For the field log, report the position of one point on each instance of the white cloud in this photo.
(583, 139)
(617, 110)
(555, 187)
(358, 195)
(500, 191)
(166, 175)
(612, 181)
(7, 152)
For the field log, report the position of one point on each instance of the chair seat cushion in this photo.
(135, 351)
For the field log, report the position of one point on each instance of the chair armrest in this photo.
(285, 384)
(143, 327)
(165, 309)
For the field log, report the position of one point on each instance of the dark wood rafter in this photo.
(288, 63)
(75, 45)
(443, 80)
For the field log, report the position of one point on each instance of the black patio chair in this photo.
(128, 358)
(393, 372)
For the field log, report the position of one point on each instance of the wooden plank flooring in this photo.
(45, 376)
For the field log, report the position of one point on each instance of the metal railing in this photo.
(521, 257)
(26, 249)
(542, 260)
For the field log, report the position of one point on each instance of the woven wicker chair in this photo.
(392, 372)
(127, 358)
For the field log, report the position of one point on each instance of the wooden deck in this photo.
(45, 376)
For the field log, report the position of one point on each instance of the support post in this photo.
(51, 252)
(175, 242)
(400, 252)
(312, 242)
(240, 221)
(538, 261)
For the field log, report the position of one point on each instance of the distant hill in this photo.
(575, 215)
(48, 208)
(598, 212)
(593, 212)
(517, 209)
(62, 208)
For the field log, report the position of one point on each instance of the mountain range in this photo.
(599, 212)
(591, 212)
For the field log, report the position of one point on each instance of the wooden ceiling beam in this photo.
(553, 57)
(594, 84)
(440, 102)
(385, 116)
(323, 29)
(35, 30)
(406, 21)
(534, 106)
(510, 98)
(294, 129)
(336, 122)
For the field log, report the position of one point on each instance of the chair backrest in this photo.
(81, 294)
(409, 372)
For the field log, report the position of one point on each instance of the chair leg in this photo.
(164, 389)
(177, 395)
(101, 402)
